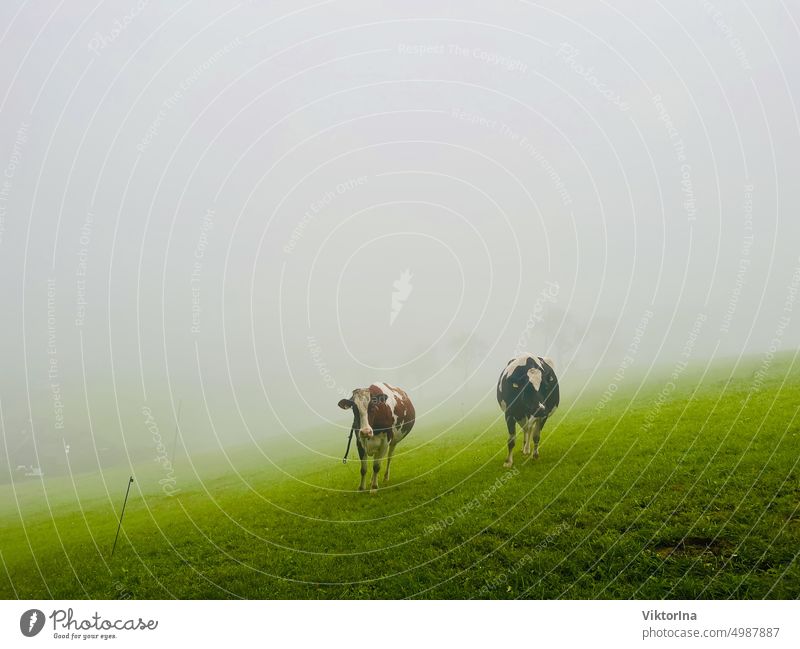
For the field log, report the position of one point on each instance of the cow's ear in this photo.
(345, 404)
(380, 398)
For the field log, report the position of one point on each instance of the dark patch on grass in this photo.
(692, 546)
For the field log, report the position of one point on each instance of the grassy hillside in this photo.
(663, 493)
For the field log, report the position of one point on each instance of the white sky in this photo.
(460, 119)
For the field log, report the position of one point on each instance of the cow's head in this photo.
(525, 386)
(363, 404)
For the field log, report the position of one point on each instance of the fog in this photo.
(247, 210)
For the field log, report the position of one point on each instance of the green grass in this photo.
(693, 496)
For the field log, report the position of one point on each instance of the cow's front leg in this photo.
(512, 438)
(388, 462)
(363, 455)
(376, 466)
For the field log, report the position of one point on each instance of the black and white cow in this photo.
(382, 416)
(527, 392)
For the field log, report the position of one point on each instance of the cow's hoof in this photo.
(362, 488)
(374, 490)
(536, 455)
(508, 464)
(385, 479)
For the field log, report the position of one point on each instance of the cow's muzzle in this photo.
(366, 432)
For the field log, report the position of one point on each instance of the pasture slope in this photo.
(693, 494)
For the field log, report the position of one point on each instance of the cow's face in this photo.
(524, 384)
(363, 404)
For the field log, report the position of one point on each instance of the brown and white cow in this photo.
(382, 416)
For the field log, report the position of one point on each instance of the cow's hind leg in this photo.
(512, 438)
(527, 429)
(363, 455)
(537, 432)
(388, 462)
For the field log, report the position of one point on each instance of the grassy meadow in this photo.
(691, 492)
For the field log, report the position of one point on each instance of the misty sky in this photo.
(214, 203)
